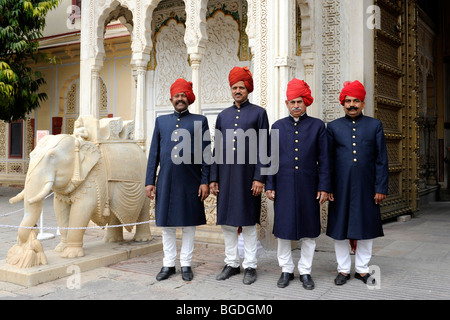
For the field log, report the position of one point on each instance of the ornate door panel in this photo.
(396, 101)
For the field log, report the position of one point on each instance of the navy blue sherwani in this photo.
(303, 171)
(236, 206)
(177, 200)
(360, 169)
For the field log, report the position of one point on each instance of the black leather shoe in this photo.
(227, 272)
(341, 279)
(249, 276)
(165, 273)
(307, 281)
(285, 277)
(364, 278)
(187, 274)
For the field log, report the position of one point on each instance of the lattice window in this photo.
(103, 106)
(71, 99)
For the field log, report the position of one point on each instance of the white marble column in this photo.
(140, 114)
(196, 60)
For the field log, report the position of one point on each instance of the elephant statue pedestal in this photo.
(97, 254)
(96, 174)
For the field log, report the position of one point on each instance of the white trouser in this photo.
(284, 254)
(362, 255)
(169, 240)
(231, 239)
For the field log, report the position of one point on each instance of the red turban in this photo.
(181, 85)
(353, 89)
(241, 74)
(299, 88)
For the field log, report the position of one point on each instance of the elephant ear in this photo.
(87, 155)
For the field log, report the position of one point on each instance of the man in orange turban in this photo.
(174, 205)
(360, 183)
(301, 184)
(241, 74)
(240, 184)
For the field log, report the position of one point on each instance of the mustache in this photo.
(180, 101)
(352, 108)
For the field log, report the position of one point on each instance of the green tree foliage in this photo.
(21, 26)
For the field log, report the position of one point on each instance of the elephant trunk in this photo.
(19, 197)
(42, 194)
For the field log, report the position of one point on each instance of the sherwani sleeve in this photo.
(323, 161)
(382, 163)
(331, 156)
(206, 158)
(271, 178)
(153, 156)
(214, 173)
(263, 123)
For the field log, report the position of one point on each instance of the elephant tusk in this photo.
(19, 197)
(41, 195)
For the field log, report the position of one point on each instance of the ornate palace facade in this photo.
(117, 58)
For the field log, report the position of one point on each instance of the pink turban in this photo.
(353, 89)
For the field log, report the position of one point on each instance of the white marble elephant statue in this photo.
(102, 182)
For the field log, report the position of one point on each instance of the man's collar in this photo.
(303, 116)
(246, 103)
(181, 114)
(355, 118)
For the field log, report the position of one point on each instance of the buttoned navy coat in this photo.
(360, 169)
(177, 203)
(304, 170)
(236, 206)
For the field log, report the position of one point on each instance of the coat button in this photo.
(355, 160)
(296, 168)
(296, 149)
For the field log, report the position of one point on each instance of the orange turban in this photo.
(241, 74)
(299, 88)
(181, 85)
(353, 89)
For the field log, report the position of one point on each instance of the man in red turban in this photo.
(301, 184)
(240, 184)
(177, 204)
(360, 183)
(181, 86)
(299, 88)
